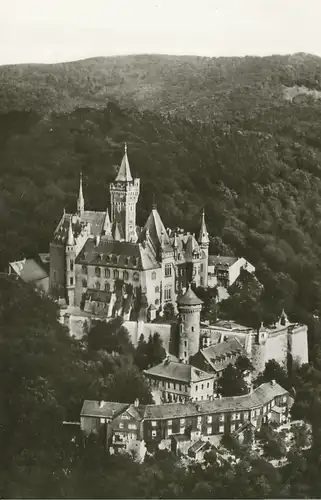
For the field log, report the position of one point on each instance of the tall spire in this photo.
(154, 206)
(80, 201)
(124, 174)
(70, 238)
(203, 238)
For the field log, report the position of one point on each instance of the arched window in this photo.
(153, 275)
(136, 276)
(115, 259)
(156, 289)
(97, 285)
(107, 258)
(107, 273)
(116, 274)
(84, 283)
(156, 302)
(126, 275)
(107, 286)
(97, 272)
(84, 269)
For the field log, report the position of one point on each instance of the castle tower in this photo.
(203, 241)
(70, 265)
(80, 200)
(189, 308)
(124, 193)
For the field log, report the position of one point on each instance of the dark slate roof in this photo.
(124, 174)
(262, 395)
(28, 270)
(218, 260)
(217, 355)
(118, 254)
(180, 438)
(178, 371)
(189, 299)
(186, 247)
(109, 409)
(95, 219)
(157, 231)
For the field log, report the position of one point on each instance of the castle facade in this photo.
(103, 263)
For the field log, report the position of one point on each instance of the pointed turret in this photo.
(203, 238)
(80, 201)
(124, 174)
(70, 237)
(107, 224)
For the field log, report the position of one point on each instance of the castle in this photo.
(106, 265)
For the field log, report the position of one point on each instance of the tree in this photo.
(110, 336)
(149, 353)
(274, 371)
(231, 383)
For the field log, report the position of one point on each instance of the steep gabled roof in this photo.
(124, 174)
(157, 231)
(178, 371)
(217, 355)
(28, 270)
(117, 254)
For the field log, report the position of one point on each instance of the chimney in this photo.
(273, 382)
(101, 403)
(136, 402)
(97, 240)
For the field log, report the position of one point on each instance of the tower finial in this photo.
(154, 202)
(203, 238)
(125, 148)
(80, 201)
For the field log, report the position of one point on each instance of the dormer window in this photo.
(126, 275)
(97, 272)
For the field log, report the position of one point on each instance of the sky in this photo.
(43, 31)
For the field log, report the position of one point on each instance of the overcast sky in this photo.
(61, 30)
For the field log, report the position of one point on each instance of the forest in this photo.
(219, 135)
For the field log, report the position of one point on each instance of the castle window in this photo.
(202, 267)
(167, 294)
(97, 285)
(107, 273)
(208, 385)
(194, 271)
(107, 258)
(71, 281)
(156, 289)
(185, 343)
(209, 419)
(154, 434)
(107, 287)
(136, 276)
(221, 429)
(202, 281)
(84, 269)
(192, 328)
(126, 275)
(222, 418)
(116, 274)
(169, 432)
(196, 388)
(97, 272)
(185, 356)
(168, 270)
(84, 283)
(153, 275)
(209, 430)
(71, 265)
(156, 302)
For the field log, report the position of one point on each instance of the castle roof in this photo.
(189, 299)
(178, 371)
(218, 260)
(219, 355)
(261, 396)
(95, 219)
(157, 231)
(187, 247)
(203, 236)
(124, 174)
(118, 254)
(28, 270)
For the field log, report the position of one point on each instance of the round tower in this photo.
(189, 308)
(70, 265)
